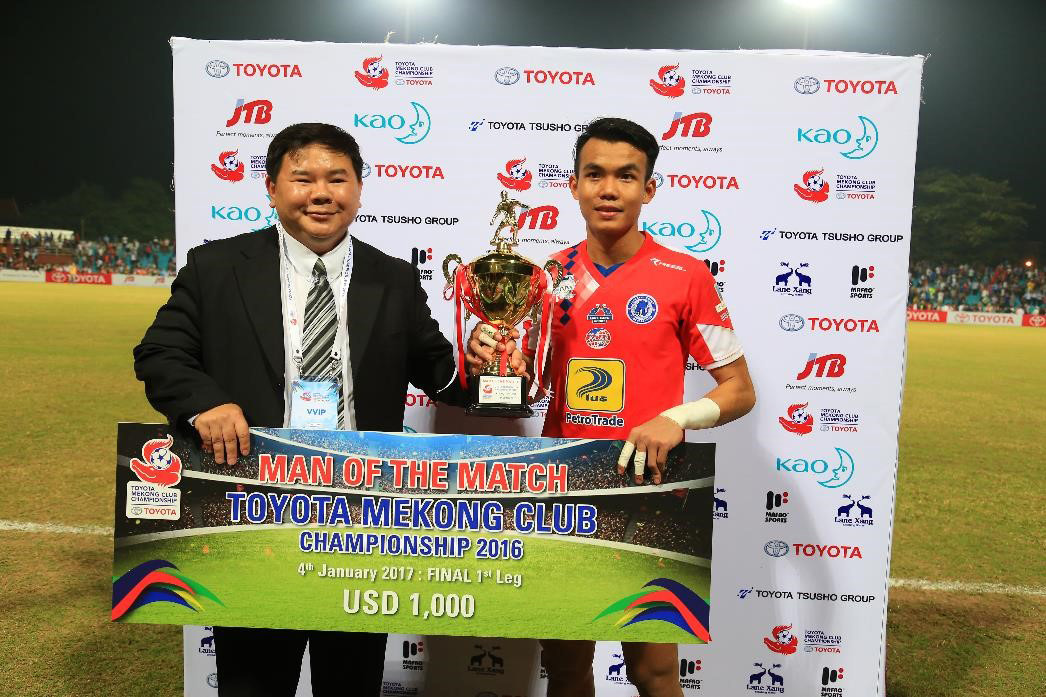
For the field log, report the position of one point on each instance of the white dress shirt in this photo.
(299, 261)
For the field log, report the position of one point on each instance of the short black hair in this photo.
(298, 135)
(616, 130)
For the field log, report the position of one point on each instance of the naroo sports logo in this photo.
(158, 465)
(669, 83)
(675, 604)
(374, 74)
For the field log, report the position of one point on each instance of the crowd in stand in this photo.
(44, 251)
(977, 288)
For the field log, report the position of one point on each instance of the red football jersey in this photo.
(620, 342)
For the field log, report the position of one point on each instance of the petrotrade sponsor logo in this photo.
(864, 517)
(156, 581)
(831, 475)
(807, 84)
(856, 144)
(702, 237)
(410, 128)
(839, 237)
(775, 594)
(673, 603)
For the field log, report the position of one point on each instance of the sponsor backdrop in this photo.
(789, 173)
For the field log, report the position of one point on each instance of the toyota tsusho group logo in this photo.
(516, 176)
(780, 594)
(814, 188)
(669, 82)
(856, 144)
(374, 74)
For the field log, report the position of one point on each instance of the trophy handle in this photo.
(447, 273)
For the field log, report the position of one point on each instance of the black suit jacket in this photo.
(219, 338)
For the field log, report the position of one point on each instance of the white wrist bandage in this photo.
(704, 413)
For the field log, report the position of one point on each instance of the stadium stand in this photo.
(45, 252)
(977, 288)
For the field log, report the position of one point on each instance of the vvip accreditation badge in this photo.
(314, 405)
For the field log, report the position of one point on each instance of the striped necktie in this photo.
(320, 331)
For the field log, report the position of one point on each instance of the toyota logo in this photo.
(1037, 321)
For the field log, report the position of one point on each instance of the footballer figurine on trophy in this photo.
(502, 288)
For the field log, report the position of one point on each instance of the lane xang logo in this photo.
(675, 604)
(150, 583)
(857, 147)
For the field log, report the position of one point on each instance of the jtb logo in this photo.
(696, 125)
(258, 111)
(830, 365)
(538, 218)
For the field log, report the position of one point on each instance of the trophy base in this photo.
(498, 395)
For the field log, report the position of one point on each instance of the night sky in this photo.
(88, 93)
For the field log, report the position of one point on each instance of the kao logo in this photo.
(417, 129)
(857, 146)
(806, 84)
(706, 239)
(830, 476)
(695, 125)
(518, 177)
(791, 322)
(374, 75)
(669, 82)
(506, 76)
(798, 421)
(159, 465)
(538, 218)
(596, 384)
(228, 168)
(782, 640)
(814, 189)
(830, 365)
(258, 111)
(217, 68)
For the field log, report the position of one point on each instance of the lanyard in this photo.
(297, 328)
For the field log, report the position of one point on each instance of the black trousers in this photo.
(264, 662)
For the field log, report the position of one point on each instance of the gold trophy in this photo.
(502, 288)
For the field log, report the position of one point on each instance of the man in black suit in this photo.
(227, 347)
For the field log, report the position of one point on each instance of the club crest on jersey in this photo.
(564, 290)
(598, 338)
(600, 314)
(596, 384)
(642, 308)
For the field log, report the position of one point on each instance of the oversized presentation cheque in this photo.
(428, 534)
